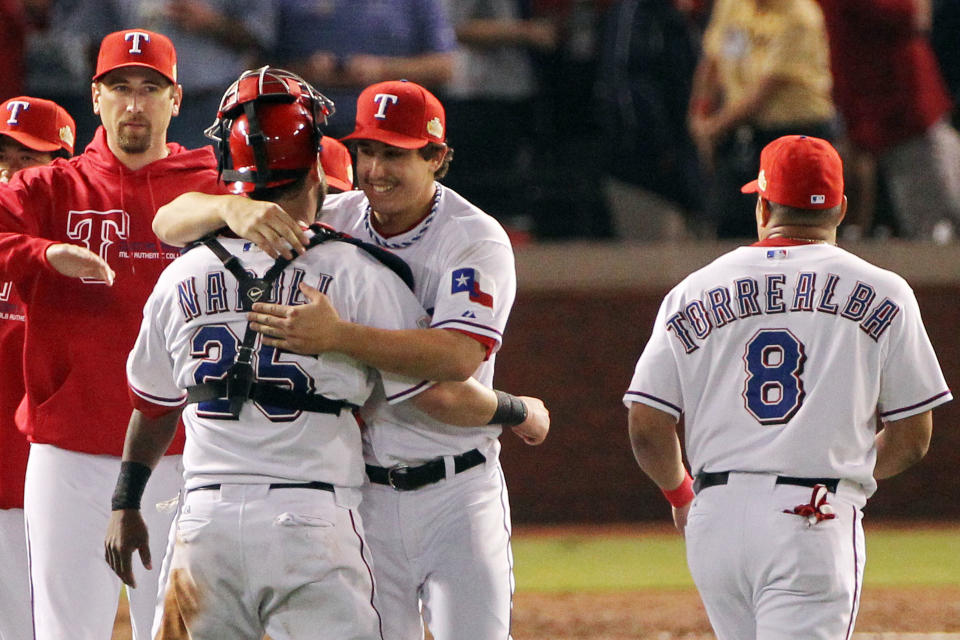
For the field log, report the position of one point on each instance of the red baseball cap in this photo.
(337, 164)
(399, 113)
(137, 48)
(39, 124)
(799, 171)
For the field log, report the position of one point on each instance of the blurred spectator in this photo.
(566, 199)
(895, 108)
(945, 37)
(216, 41)
(647, 60)
(13, 34)
(343, 46)
(764, 73)
(490, 104)
(61, 54)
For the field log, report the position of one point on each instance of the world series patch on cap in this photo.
(801, 172)
(137, 48)
(399, 113)
(39, 124)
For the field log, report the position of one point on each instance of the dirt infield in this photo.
(675, 615)
(662, 615)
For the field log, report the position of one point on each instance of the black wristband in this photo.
(130, 485)
(510, 410)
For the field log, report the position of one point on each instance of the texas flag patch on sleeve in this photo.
(469, 280)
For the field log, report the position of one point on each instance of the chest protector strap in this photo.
(240, 385)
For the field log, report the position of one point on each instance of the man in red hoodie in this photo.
(76, 240)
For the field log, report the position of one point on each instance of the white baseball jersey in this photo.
(191, 331)
(465, 278)
(780, 355)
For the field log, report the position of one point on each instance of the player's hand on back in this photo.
(74, 261)
(126, 532)
(267, 225)
(534, 429)
(308, 329)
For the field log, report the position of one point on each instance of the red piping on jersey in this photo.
(488, 343)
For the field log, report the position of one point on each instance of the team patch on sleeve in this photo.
(469, 280)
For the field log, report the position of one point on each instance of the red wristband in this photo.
(682, 495)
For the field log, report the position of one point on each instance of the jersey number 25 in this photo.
(217, 346)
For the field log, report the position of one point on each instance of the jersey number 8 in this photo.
(773, 391)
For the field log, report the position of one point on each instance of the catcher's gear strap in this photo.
(239, 386)
(269, 394)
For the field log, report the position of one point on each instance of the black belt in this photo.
(404, 478)
(322, 486)
(713, 479)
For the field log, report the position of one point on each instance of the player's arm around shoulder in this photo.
(316, 327)
(192, 215)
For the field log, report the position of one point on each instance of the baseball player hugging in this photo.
(779, 356)
(269, 539)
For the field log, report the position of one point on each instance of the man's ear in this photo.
(843, 211)
(177, 99)
(95, 96)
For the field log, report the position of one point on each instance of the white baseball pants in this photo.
(768, 575)
(67, 507)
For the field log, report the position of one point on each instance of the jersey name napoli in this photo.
(191, 333)
(779, 358)
(464, 273)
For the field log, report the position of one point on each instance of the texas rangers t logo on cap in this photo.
(136, 36)
(383, 100)
(15, 107)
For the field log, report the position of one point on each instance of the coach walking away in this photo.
(90, 218)
(33, 132)
(778, 355)
(419, 469)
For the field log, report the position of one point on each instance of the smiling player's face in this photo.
(399, 183)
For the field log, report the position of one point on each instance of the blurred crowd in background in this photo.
(579, 119)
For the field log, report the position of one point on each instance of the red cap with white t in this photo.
(399, 113)
(39, 124)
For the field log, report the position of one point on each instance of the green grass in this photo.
(923, 557)
(623, 561)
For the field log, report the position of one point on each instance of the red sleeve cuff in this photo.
(488, 343)
(147, 408)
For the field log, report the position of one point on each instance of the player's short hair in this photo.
(430, 151)
(279, 192)
(785, 214)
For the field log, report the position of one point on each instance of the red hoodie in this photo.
(78, 333)
(13, 446)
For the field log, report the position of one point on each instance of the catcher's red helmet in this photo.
(268, 128)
